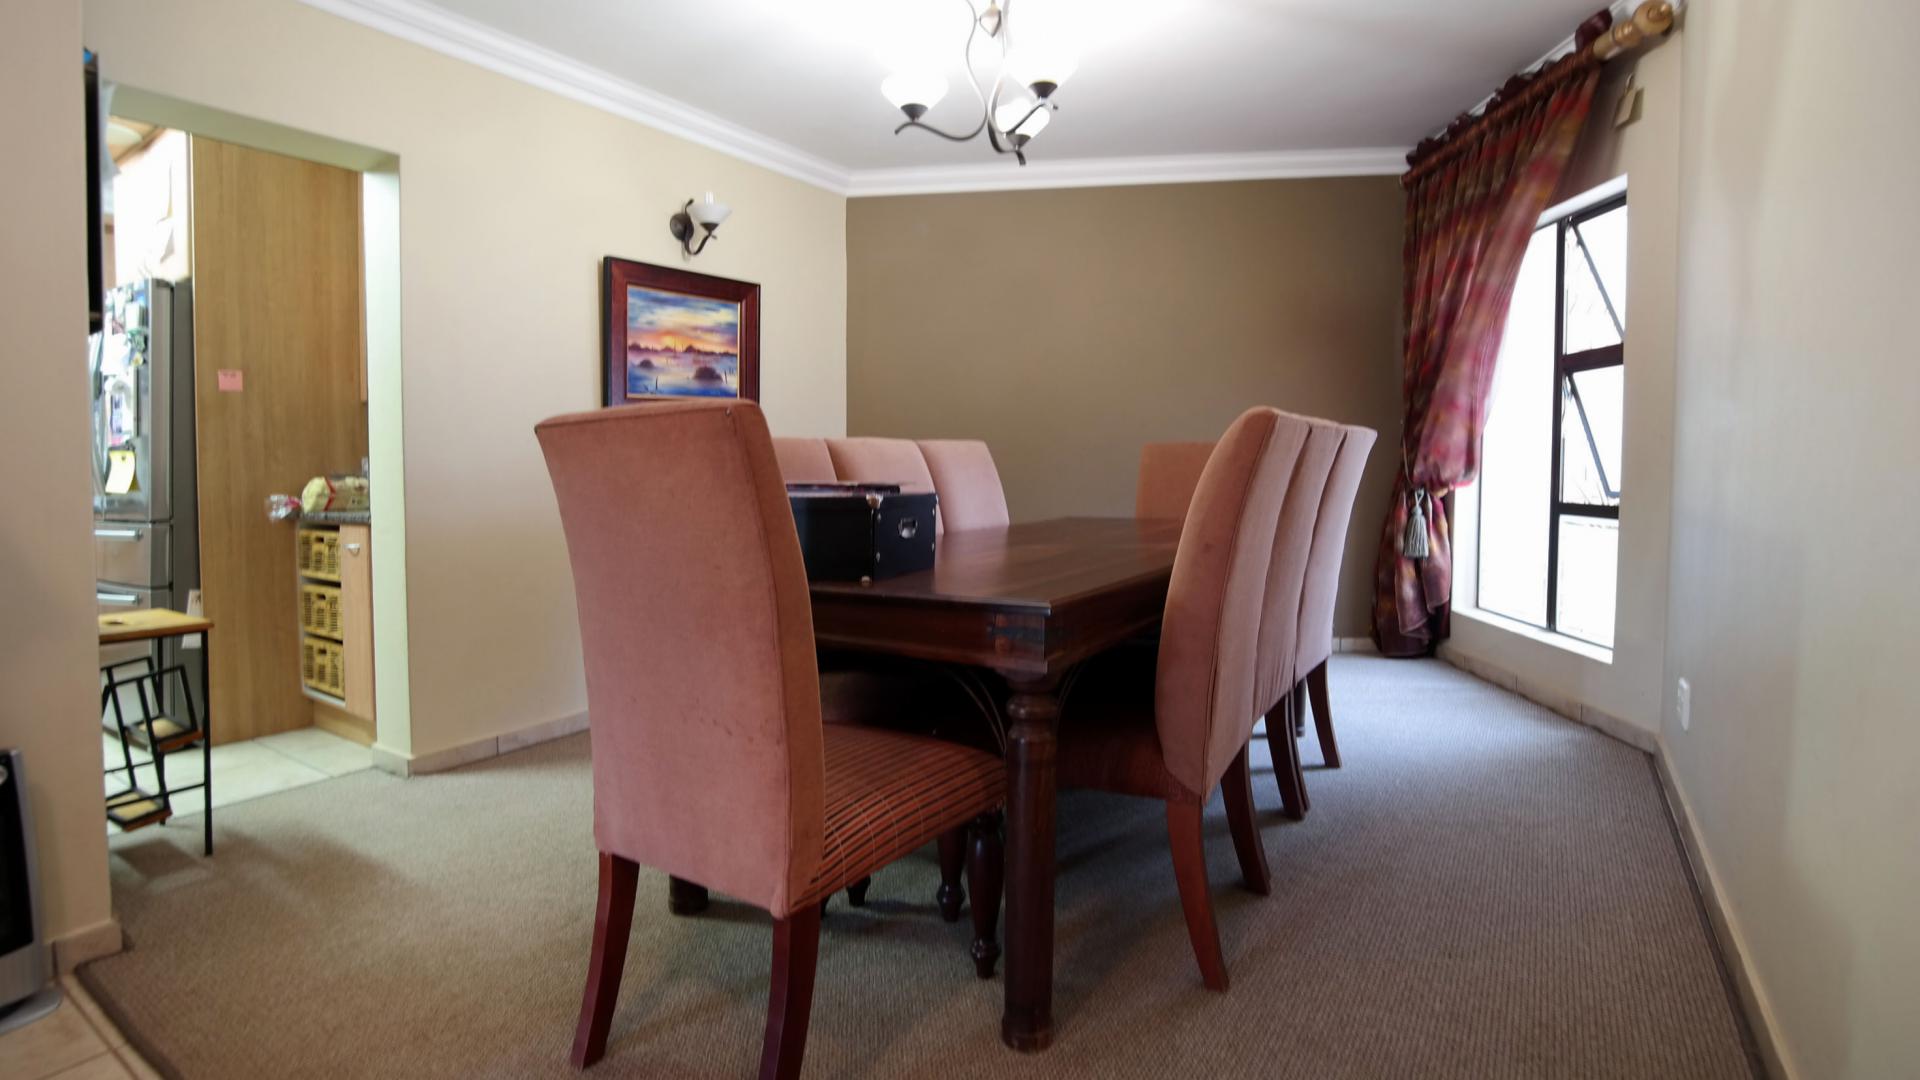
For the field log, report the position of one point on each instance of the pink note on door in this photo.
(232, 381)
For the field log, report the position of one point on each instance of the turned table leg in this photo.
(1031, 742)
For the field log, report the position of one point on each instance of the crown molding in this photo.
(433, 27)
(1118, 172)
(454, 35)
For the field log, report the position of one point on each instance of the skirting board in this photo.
(478, 750)
(1361, 645)
(1726, 932)
(1580, 713)
(86, 945)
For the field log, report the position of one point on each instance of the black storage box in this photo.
(862, 532)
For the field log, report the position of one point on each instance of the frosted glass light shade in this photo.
(1043, 68)
(1013, 113)
(708, 213)
(908, 88)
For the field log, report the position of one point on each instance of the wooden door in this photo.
(278, 320)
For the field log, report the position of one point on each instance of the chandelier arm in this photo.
(924, 126)
(1027, 117)
(973, 80)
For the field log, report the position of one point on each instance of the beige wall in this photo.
(49, 682)
(1626, 687)
(509, 196)
(1066, 328)
(1795, 611)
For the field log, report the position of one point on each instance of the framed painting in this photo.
(668, 333)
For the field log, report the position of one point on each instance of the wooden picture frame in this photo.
(667, 333)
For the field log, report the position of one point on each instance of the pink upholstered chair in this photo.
(710, 760)
(1175, 728)
(1280, 608)
(969, 485)
(1168, 474)
(869, 460)
(804, 461)
(1323, 581)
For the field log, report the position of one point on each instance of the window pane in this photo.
(1590, 427)
(1596, 281)
(1589, 563)
(1515, 466)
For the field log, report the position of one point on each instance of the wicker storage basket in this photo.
(322, 667)
(320, 610)
(317, 553)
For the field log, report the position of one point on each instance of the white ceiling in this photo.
(1237, 85)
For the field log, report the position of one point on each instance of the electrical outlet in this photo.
(1683, 699)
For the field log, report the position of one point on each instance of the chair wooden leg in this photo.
(1286, 760)
(1299, 710)
(953, 856)
(1237, 788)
(685, 898)
(796, 949)
(1323, 716)
(985, 862)
(1188, 843)
(612, 922)
(857, 892)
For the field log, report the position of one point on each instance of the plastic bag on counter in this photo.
(334, 493)
(282, 507)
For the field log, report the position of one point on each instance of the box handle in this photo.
(909, 527)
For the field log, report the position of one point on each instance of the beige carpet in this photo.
(1485, 890)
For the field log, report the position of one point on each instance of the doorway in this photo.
(262, 260)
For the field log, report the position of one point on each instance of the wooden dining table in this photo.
(1026, 604)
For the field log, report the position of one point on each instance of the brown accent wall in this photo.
(1068, 327)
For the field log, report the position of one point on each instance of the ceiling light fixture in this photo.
(1021, 100)
(705, 213)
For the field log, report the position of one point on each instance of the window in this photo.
(1549, 487)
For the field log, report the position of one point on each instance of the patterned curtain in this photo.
(1472, 204)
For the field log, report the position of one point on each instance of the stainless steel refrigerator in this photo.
(146, 536)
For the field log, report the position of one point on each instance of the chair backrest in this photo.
(804, 461)
(969, 485)
(868, 460)
(1204, 705)
(1329, 547)
(702, 689)
(1168, 474)
(1287, 573)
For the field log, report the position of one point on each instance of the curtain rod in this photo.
(1597, 40)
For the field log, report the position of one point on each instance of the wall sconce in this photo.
(706, 213)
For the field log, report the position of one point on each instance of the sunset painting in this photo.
(680, 345)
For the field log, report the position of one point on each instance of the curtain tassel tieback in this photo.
(1413, 543)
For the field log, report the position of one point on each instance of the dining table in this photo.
(1022, 605)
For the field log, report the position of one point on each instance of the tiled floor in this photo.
(74, 1042)
(245, 770)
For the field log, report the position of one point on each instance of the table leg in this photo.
(206, 743)
(1031, 743)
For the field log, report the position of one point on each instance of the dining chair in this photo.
(1169, 471)
(1323, 581)
(1174, 728)
(804, 461)
(870, 460)
(1277, 683)
(710, 760)
(968, 483)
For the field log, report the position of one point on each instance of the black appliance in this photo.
(863, 532)
(26, 990)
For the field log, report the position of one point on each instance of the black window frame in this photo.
(1565, 366)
